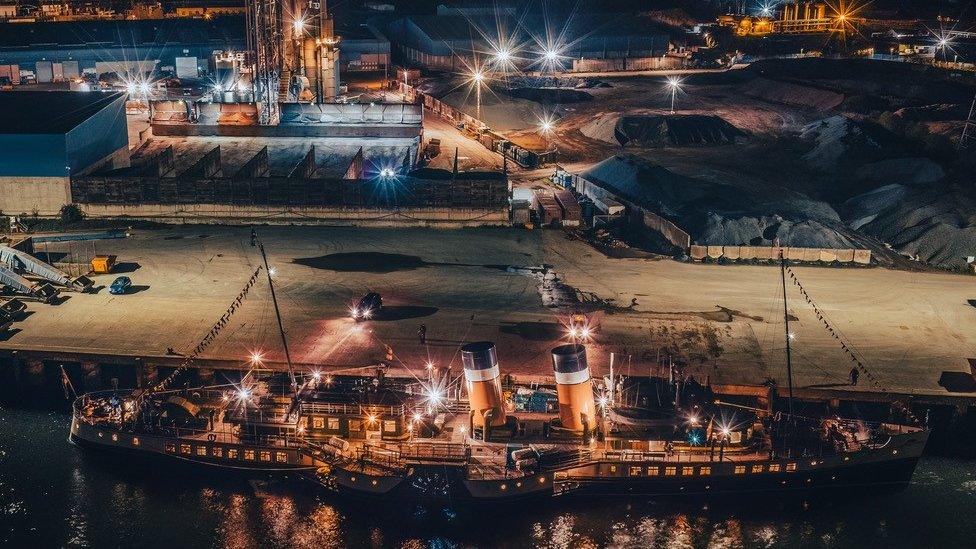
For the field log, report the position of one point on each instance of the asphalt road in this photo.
(724, 321)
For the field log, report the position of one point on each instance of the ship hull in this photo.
(887, 467)
(186, 450)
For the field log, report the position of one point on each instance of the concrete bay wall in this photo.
(291, 215)
(27, 195)
(810, 255)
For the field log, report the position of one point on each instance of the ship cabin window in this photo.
(635, 471)
(355, 425)
(739, 469)
(115, 437)
(653, 471)
(184, 448)
(265, 455)
(670, 471)
(389, 426)
(135, 441)
(281, 457)
(705, 471)
(170, 447)
(217, 452)
(249, 454)
(201, 450)
(790, 467)
(613, 468)
(687, 471)
(333, 424)
(757, 468)
(232, 453)
(318, 423)
(774, 467)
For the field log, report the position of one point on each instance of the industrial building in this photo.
(59, 51)
(48, 137)
(449, 41)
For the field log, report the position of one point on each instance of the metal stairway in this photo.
(42, 292)
(18, 261)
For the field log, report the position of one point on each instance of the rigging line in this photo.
(209, 338)
(857, 357)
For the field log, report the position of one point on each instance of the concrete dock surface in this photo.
(916, 332)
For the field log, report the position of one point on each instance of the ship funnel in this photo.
(484, 385)
(573, 387)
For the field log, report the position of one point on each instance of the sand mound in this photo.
(662, 131)
(551, 95)
(792, 94)
(840, 142)
(864, 208)
(937, 226)
(907, 171)
(719, 213)
(764, 230)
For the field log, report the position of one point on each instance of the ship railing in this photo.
(380, 456)
(678, 456)
(434, 451)
(352, 409)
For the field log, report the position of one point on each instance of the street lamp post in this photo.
(674, 83)
(478, 77)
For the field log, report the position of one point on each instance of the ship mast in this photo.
(281, 329)
(786, 320)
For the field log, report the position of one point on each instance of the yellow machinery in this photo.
(103, 264)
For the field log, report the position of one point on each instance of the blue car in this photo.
(120, 285)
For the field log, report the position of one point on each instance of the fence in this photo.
(668, 230)
(628, 64)
(810, 255)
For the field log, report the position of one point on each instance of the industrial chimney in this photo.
(573, 387)
(484, 385)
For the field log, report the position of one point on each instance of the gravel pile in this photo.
(662, 131)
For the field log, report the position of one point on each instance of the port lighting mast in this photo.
(264, 38)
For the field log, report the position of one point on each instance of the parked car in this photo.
(120, 285)
(368, 306)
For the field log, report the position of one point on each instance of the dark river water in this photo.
(53, 494)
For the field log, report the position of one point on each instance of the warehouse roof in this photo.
(49, 112)
(154, 32)
(459, 27)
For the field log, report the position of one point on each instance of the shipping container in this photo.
(186, 67)
(44, 72)
(520, 212)
(547, 208)
(572, 213)
(71, 70)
